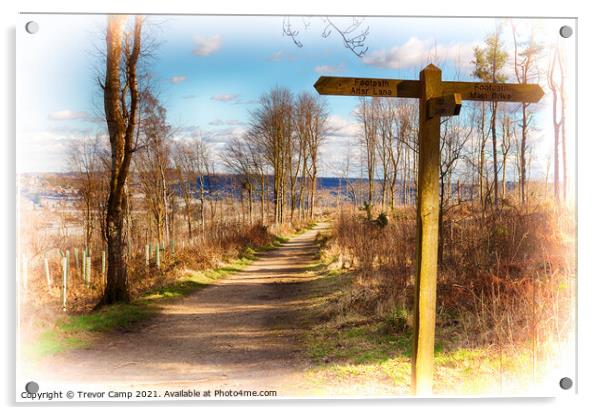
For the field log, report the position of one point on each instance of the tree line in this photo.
(283, 139)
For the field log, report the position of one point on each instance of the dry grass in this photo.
(506, 278)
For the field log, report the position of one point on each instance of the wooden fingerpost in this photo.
(427, 234)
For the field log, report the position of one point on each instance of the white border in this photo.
(589, 153)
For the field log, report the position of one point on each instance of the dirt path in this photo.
(241, 332)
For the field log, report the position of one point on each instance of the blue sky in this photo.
(211, 70)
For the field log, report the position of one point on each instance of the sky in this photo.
(210, 72)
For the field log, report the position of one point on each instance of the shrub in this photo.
(397, 320)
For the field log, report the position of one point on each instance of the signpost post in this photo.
(437, 98)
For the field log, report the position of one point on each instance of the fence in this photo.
(73, 265)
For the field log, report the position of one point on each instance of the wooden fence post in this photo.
(65, 275)
(158, 258)
(104, 263)
(68, 263)
(88, 270)
(76, 254)
(47, 271)
(84, 265)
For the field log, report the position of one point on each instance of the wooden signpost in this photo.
(437, 98)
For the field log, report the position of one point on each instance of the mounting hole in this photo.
(32, 27)
(32, 387)
(566, 31)
(566, 383)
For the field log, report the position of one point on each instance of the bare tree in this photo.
(260, 166)
(507, 134)
(121, 100)
(456, 133)
(287, 133)
(185, 165)
(557, 120)
(238, 156)
(152, 162)
(85, 160)
(383, 115)
(201, 156)
(526, 55)
(366, 115)
(403, 116)
(312, 127)
(272, 129)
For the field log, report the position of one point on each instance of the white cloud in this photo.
(47, 151)
(68, 115)
(222, 136)
(418, 52)
(276, 56)
(225, 97)
(206, 46)
(177, 79)
(246, 102)
(280, 56)
(340, 127)
(219, 121)
(330, 68)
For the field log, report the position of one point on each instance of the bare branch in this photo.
(352, 39)
(288, 31)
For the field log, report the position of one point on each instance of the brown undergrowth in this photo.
(506, 279)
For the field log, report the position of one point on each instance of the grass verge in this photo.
(367, 353)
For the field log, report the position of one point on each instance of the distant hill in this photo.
(62, 186)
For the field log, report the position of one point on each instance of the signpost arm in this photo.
(427, 235)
